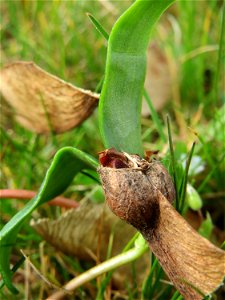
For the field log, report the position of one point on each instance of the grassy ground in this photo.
(58, 36)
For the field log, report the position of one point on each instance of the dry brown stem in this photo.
(193, 264)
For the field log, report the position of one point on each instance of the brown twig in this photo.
(26, 194)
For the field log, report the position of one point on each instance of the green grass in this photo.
(58, 36)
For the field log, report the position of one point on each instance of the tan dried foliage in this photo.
(45, 103)
(194, 265)
(84, 233)
(158, 80)
(42, 102)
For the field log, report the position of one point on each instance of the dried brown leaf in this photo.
(43, 102)
(84, 232)
(192, 262)
(78, 231)
(157, 81)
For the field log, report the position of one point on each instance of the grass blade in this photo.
(173, 162)
(98, 26)
(185, 179)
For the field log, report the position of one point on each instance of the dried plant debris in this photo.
(77, 232)
(158, 79)
(140, 192)
(84, 232)
(42, 102)
(45, 103)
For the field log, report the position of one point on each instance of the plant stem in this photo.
(173, 162)
(220, 55)
(185, 180)
(26, 194)
(100, 269)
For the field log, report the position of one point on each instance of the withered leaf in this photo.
(193, 264)
(43, 102)
(84, 232)
(78, 231)
(158, 80)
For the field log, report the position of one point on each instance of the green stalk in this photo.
(185, 180)
(220, 61)
(173, 163)
(113, 263)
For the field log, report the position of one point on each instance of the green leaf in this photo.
(206, 227)
(173, 162)
(185, 179)
(120, 101)
(193, 199)
(14, 269)
(98, 26)
(154, 114)
(66, 164)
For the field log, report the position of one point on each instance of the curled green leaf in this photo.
(120, 100)
(66, 164)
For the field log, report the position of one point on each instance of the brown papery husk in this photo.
(42, 102)
(194, 265)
